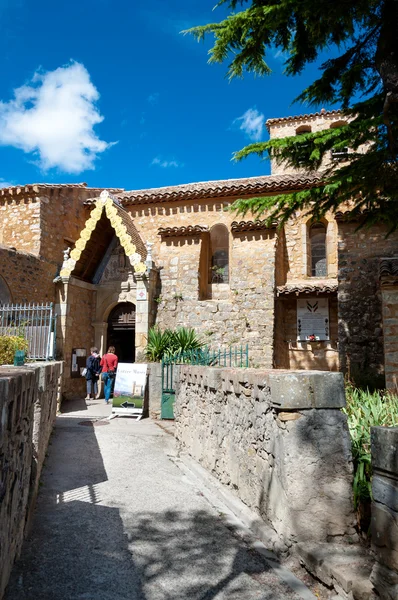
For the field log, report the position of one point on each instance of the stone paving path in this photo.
(117, 519)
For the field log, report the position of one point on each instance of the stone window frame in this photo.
(303, 129)
(216, 278)
(306, 242)
(338, 155)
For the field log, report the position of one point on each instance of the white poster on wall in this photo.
(312, 319)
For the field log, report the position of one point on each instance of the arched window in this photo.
(303, 129)
(219, 255)
(339, 154)
(318, 262)
(5, 294)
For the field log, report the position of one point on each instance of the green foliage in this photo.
(362, 36)
(8, 346)
(168, 342)
(365, 410)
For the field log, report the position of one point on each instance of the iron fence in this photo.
(35, 322)
(236, 356)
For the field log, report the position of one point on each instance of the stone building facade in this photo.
(115, 262)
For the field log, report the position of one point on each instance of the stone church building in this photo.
(313, 295)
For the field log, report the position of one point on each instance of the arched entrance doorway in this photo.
(121, 331)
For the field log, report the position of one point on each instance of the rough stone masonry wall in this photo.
(76, 310)
(384, 527)
(28, 278)
(359, 296)
(20, 222)
(390, 332)
(278, 439)
(28, 404)
(241, 312)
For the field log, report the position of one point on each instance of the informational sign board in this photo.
(129, 391)
(78, 362)
(312, 319)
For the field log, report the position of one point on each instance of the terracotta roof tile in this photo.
(219, 189)
(321, 113)
(320, 286)
(388, 267)
(36, 187)
(237, 227)
(181, 231)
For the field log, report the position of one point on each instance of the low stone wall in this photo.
(385, 511)
(28, 405)
(276, 438)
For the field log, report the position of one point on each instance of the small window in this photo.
(318, 262)
(219, 255)
(303, 129)
(340, 154)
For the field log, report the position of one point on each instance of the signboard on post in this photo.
(129, 391)
(312, 319)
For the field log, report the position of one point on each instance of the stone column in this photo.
(385, 511)
(390, 331)
(100, 331)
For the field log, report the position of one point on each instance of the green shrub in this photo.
(8, 346)
(169, 342)
(364, 410)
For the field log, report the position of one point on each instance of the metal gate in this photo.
(237, 356)
(35, 322)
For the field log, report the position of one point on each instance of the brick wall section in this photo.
(390, 332)
(359, 296)
(28, 404)
(277, 439)
(28, 278)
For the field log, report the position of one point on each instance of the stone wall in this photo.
(28, 404)
(28, 278)
(278, 440)
(76, 309)
(20, 221)
(384, 528)
(234, 313)
(360, 302)
(390, 332)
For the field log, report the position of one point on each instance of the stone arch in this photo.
(5, 293)
(303, 129)
(121, 330)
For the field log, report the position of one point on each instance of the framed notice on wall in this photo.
(78, 362)
(312, 319)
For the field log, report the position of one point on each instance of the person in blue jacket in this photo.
(93, 371)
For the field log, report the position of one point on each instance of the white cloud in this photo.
(165, 164)
(252, 123)
(53, 118)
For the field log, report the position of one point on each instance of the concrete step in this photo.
(344, 567)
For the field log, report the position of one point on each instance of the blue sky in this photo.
(112, 94)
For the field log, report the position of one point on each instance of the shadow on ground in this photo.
(87, 543)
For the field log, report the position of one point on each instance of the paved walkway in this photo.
(118, 520)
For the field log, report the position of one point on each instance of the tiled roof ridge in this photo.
(219, 188)
(388, 267)
(182, 231)
(238, 226)
(320, 113)
(319, 286)
(33, 187)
